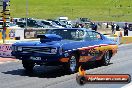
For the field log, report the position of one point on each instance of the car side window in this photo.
(89, 35)
(92, 36)
(96, 36)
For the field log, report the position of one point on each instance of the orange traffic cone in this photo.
(120, 34)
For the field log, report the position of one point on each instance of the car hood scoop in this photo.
(49, 38)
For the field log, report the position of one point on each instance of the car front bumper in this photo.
(41, 58)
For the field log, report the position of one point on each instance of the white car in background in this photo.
(54, 24)
(64, 19)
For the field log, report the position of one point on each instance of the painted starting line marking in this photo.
(9, 61)
(2, 62)
(128, 85)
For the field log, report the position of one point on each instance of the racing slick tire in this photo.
(72, 65)
(105, 59)
(28, 65)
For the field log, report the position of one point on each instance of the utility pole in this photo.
(26, 13)
(72, 12)
(5, 15)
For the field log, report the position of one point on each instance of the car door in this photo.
(94, 39)
(98, 41)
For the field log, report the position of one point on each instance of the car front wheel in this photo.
(28, 65)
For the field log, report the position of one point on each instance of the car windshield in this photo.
(68, 34)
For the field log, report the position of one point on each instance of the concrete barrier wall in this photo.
(126, 39)
(31, 33)
(122, 40)
(119, 33)
(115, 39)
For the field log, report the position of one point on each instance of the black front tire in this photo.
(72, 65)
(28, 65)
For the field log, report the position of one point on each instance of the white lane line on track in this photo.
(1, 62)
(9, 61)
(5, 62)
(128, 85)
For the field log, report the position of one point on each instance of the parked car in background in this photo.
(64, 24)
(54, 25)
(130, 27)
(62, 18)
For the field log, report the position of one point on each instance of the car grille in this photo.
(45, 50)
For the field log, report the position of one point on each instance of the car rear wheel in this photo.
(28, 65)
(106, 58)
(72, 65)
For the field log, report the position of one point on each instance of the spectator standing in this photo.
(117, 27)
(77, 25)
(94, 27)
(126, 28)
(107, 26)
(113, 28)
